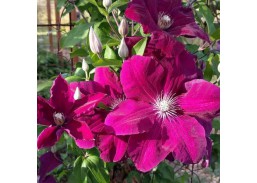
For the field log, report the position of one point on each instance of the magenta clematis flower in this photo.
(48, 162)
(166, 111)
(61, 113)
(165, 15)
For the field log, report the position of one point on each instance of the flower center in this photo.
(59, 118)
(164, 21)
(166, 106)
(116, 102)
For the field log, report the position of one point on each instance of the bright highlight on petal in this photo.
(77, 94)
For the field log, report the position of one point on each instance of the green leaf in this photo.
(164, 173)
(139, 48)
(79, 52)
(60, 4)
(101, 10)
(74, 78)
(109, 53)
(44, 85)
(205, 12)
(75, 36)
(80, 72)
(117, 4)
(216, 34)
(96, 169)
(79, 173)
(133, 176)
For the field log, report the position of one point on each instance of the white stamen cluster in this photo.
(164, 21)
(58, 118)
(166, 106)
(116, 102)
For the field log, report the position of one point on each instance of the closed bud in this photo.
(77, 94)
(85, 66)
(107, 3)
(94, 42)
(123, 27)
(205, 163)
(123, 49)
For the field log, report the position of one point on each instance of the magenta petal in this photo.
(81, 133)
(49, 136)
(61, 95)
(142, 78)
(202, 99)
(144, 12)
(187, 139)
(44, 112)
(184, 24)
(86, 87)
(112, 147)
(146, 150)
(109, 80)
(48, 162)
(87, 104)
(131, 117)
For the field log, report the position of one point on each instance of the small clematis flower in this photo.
(61, 113)
(167, 16)
(166, 110)
(123, 27)
(123, 49)
(48, 162)
(94, 42)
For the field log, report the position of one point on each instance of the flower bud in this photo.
(107, 3)
(123, 27)
(77, 94)
(205, 163)
(123, 49)
(94, 42)
(85, 66)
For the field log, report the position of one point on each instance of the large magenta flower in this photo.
(165, 15)
(166, 110)
(62, 112)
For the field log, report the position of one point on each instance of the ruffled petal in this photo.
(146, 150)
(142, 78)
(144, 12)
(108, 80)
(87, 87)
(131, 117)
(202, 99)
(81, 133)
(184, 24)
(49, 136)
(112, 147)
(61, 95)
(44, 112)
(186, 139)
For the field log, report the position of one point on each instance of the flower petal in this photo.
(146, 150)
(86, 87)
(81, 133)
(49, 136)
(48, 162)
(187, 139)
(131, 117)
(61, 96)
(202, 99)
(184, 24)
(44, 112)
(112, 147)
(142, 78)
(144, 12)
(108, 80)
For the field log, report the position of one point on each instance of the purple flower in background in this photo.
(166, 110)
(48, 162)
(165, 15)
(61, 113)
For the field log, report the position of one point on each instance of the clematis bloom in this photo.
(61, 113)
(166, 111)
(165, 15)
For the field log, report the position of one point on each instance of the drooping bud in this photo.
(205, 163)
(77, 94)
(123, 27)
(107, 3)
(123, 49)
(94, 42)
(85, 66)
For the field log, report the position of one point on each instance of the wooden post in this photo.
(48, 6)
